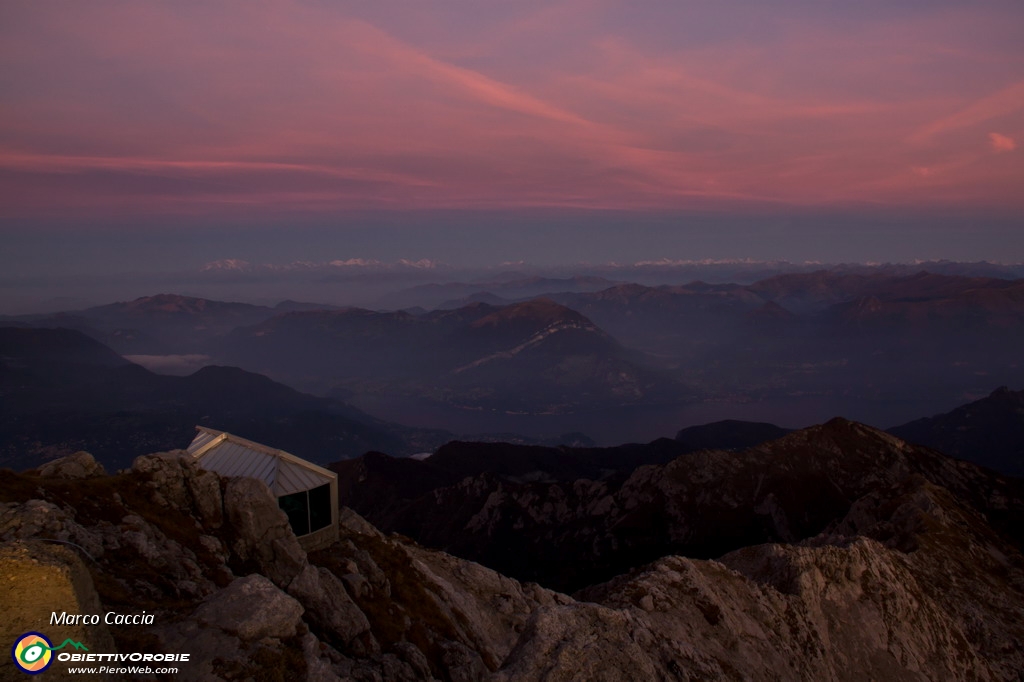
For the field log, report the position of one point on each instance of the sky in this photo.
(138, 135)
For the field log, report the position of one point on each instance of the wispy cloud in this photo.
(323, 107)
(1008, 100)
(1001, 143)
(49, 163)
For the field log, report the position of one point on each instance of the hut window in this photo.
(308, 510)
(320, 507)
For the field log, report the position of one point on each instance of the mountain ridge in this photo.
(989, 431)
(120, 410)
(914, 579)
(569, 533)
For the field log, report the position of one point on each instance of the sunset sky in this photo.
(363, 123)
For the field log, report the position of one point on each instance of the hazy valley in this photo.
(626, 362)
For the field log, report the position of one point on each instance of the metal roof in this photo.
(229, 455)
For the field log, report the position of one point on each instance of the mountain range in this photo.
(61, 391)
(623, 362)
(532, 356)
(572, 517)
(735, 550)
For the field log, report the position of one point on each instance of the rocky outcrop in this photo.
(252, 608)
(332, 612)
(835, 607)
(216, 564)
(989, 432)
(910, 572)
(572, 533)
(262, 533)
(78, 465)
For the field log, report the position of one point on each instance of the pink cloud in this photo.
(318, 107)
(1008, 100)
(1001, 143)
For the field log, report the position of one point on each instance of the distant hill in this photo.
(517, 286)
(861, 341)
(164, 324)
(61, 391)
(728, 434)
(534, 356)
(678, 319)
(24, 348)
(155, 325)
(989, 432)
(881, 344)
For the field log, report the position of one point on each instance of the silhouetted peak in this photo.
(623, 292)
(55, 345)
(841, 437)
(174, 304)
(729, 434)
(223, 371)
(291, 306)
(167, 303)
(542, 310)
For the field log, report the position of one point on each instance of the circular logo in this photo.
(32, 653)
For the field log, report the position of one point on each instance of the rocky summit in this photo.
(876, 560)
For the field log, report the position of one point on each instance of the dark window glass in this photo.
(296, 506)
(320, 507)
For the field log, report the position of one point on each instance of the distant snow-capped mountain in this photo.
(227, 265)
(237, 265)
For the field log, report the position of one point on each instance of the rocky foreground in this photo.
(911, 583)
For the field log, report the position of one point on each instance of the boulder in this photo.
(262, 533)
(33, 517)
(318, 668)
(167, 472)
(76, 466)
(251, 608)
(177, 480)
(332, 611)
(204, 486)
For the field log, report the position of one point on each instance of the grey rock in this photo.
(33, 517)
(208, 648)
(332, 612)
(356, 584)
(414, 658)
(251, 608)
(262, 531)
(833, 608)
(462, 663)
(79, 465)
(911, 582)
(483, 609)
(166, 473)
(318, 668)
(204, 486)
(356, 524)
(584, 642)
